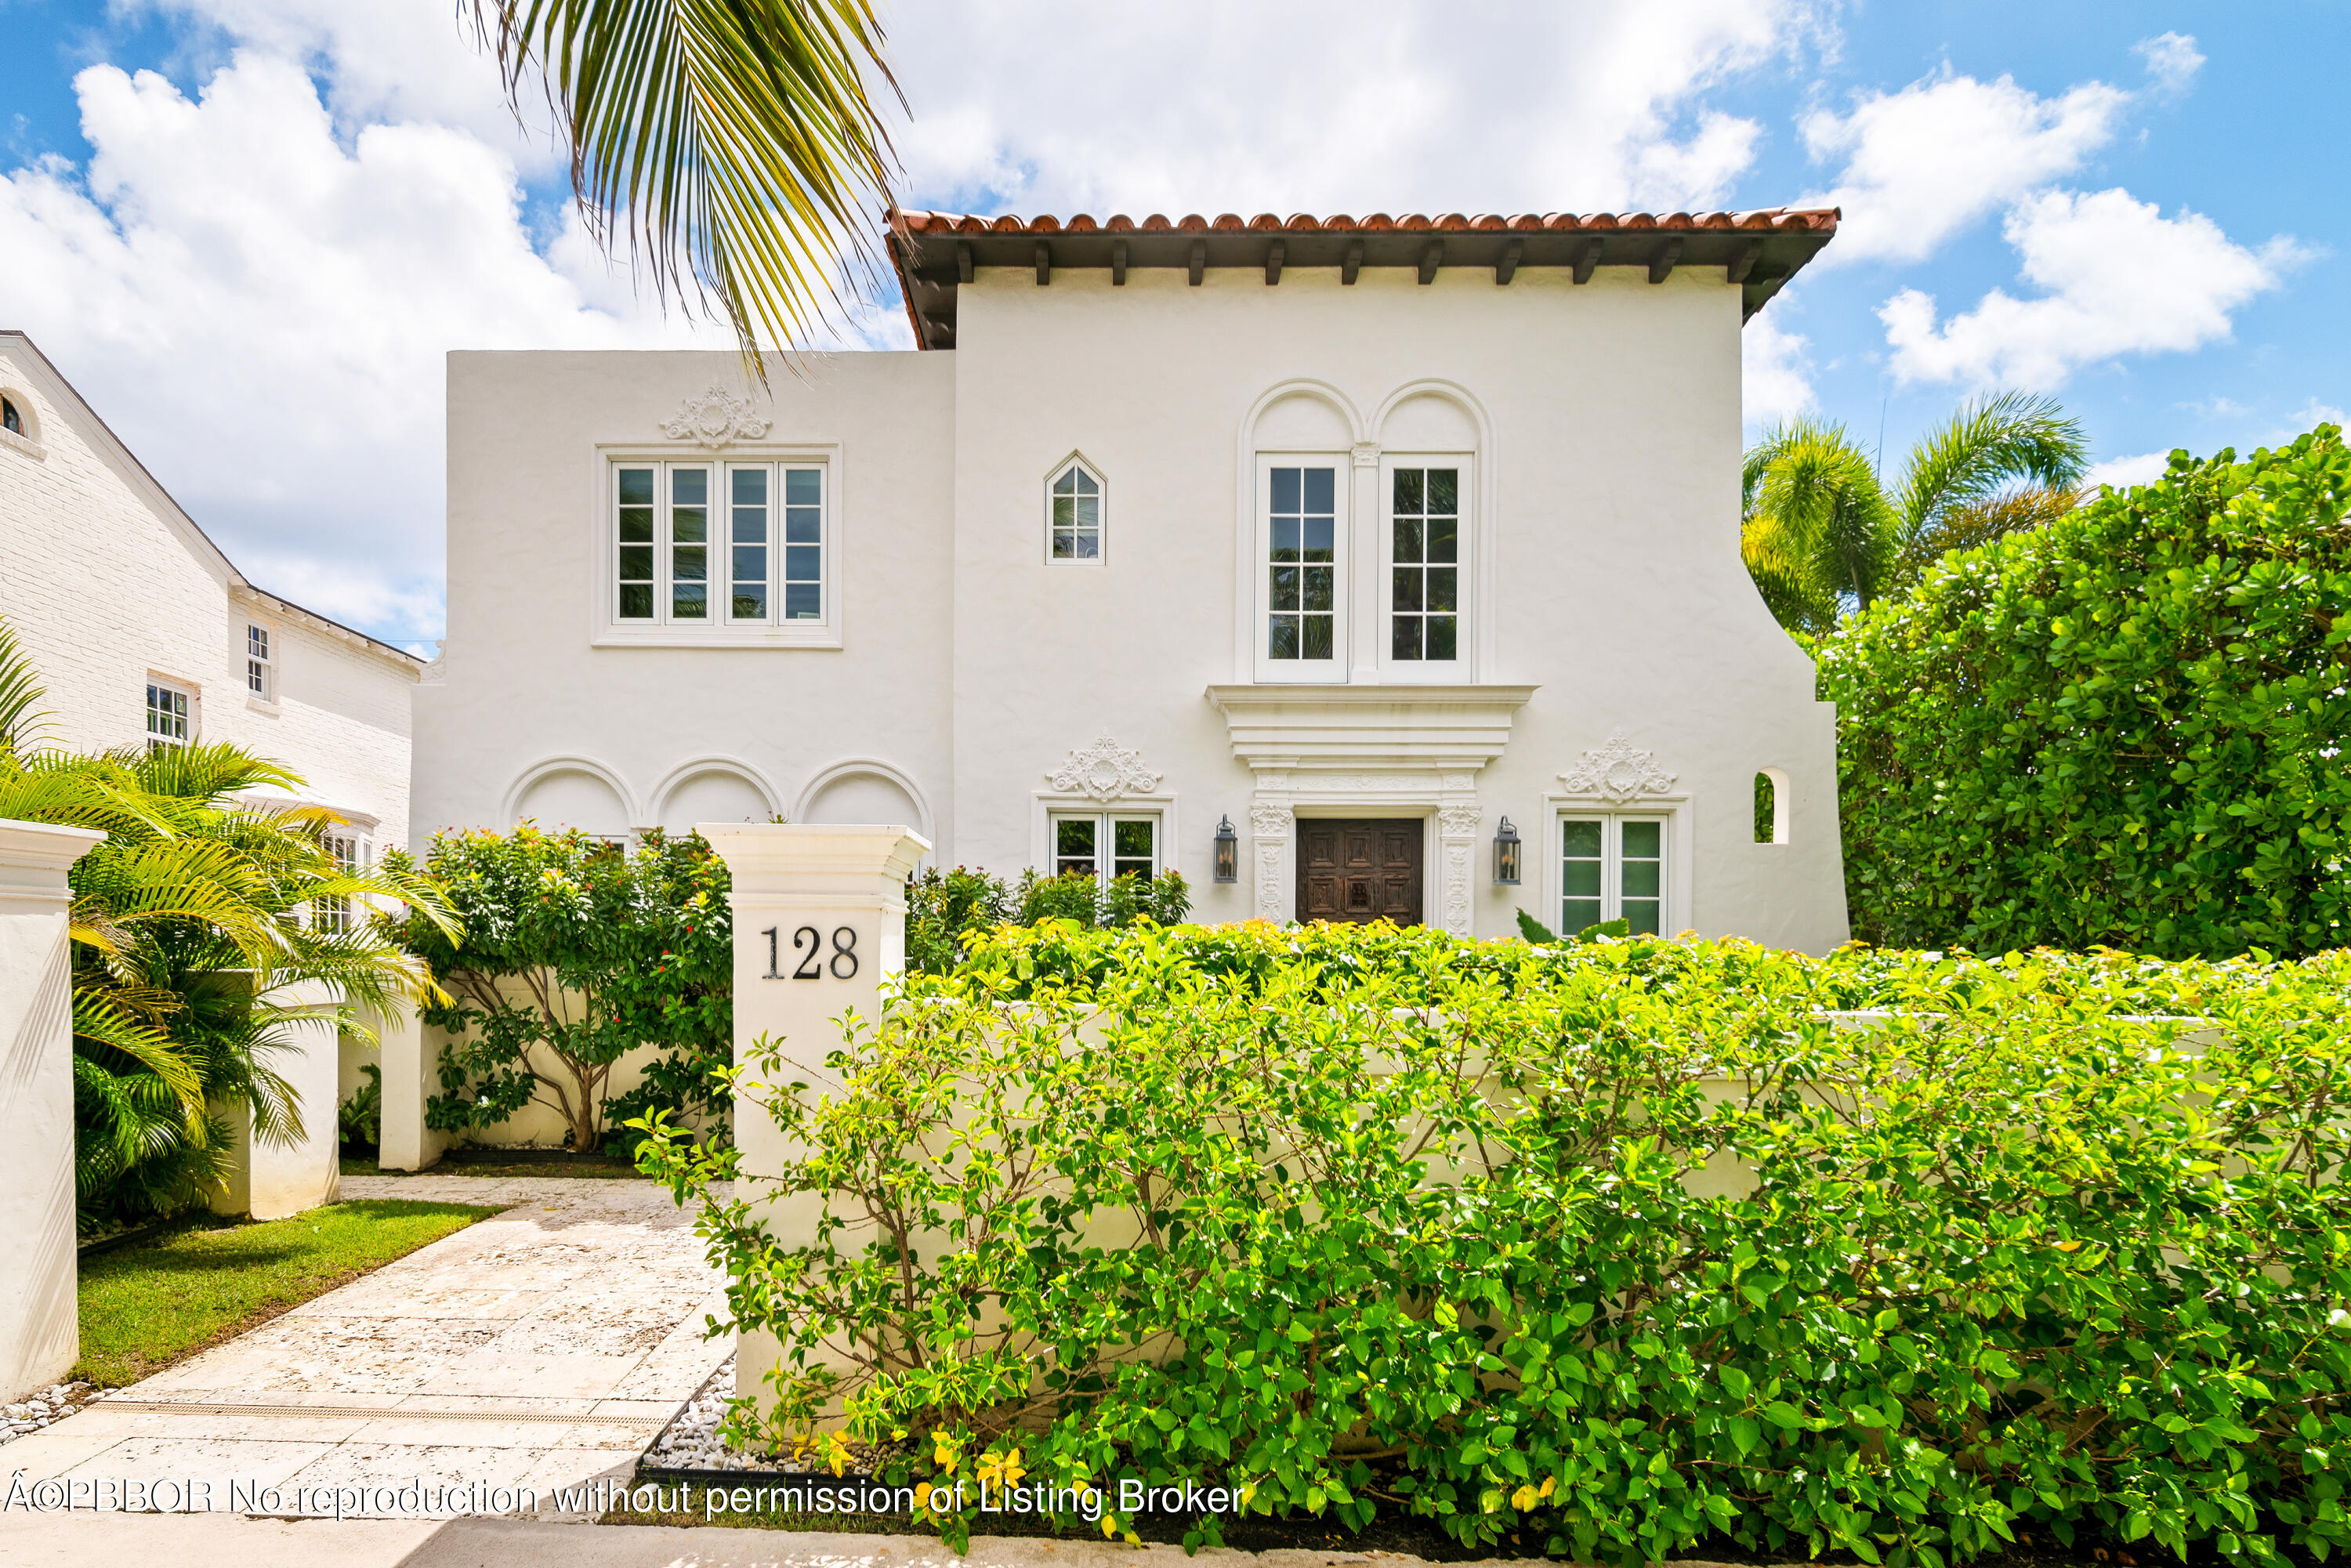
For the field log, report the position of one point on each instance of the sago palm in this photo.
(731, 141)
(1824, 537)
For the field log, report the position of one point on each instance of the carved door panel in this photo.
(1360, 871)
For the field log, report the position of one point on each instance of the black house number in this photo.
(808, 947)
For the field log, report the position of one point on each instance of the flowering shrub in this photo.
(1619, 1244)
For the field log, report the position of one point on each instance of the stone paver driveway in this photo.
(542, 1348)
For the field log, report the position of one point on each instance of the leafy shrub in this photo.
(2123, 729)
(1619, 1243)
(946, 910)
(570, 953)
(360, 1120)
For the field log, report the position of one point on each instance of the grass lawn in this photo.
(150, 1304)
(488, 1163)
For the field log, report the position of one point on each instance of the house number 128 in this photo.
(842, 965)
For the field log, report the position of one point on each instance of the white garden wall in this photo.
(39, 1336)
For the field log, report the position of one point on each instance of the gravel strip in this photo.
(44, 1408)
(690, 1441)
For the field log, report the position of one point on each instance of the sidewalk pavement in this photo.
(541, 1348)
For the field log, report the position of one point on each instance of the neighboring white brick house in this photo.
(135, 619)
(115, 591)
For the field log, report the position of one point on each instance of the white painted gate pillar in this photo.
(820, 917)
(39, 1333)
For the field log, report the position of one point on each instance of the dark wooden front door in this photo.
(1359, 871)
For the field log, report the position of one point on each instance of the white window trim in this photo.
(606, 630)
(188, 689)
(348, 913)
(1102, 526)
(1461, 667)
(1678, 813)
(1267, 670)
(270, 697)
(1047, 804)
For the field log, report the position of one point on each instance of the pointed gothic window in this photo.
(1075, 520)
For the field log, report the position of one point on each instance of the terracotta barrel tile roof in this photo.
(1757, 251)
(1818, 220)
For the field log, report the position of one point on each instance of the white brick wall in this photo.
(105, 585)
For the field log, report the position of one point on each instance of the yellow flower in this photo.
(1110, 1526)
(1525, 1498)
(839, 1456)
(943, 1452)
(1551, 1484)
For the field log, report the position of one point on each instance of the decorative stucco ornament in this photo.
(1458, 821)
(1104, 770)
(1618, 772)
(716, 418)
(1268, 820)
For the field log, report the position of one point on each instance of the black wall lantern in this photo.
(1229, 851)
(1506, 855)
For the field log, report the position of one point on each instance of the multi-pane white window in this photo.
(1301, 563)
(1425, 564)
(1075, 515)
(260, 663)
(1612, 868)
(1105, 845)
(334, 912)
(711, 544)
(169, 714)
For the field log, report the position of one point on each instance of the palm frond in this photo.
(1980, 522)
(206, 773)
(1825, 524)
(21, 728)
(732, 140)
(1991, 445)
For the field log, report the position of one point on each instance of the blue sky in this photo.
(2136, 208)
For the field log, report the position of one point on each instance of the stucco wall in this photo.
(521, 688)
(1613, 415)
(1605, 424)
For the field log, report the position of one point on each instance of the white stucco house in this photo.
(144, 633)
(1348, 539)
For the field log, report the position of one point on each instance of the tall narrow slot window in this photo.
(1302, 599)
(1105, 846)
(634, 530)
(260, 668)
(748, 546)
(1076, 515)
(689, 544)
(803, 543)
(1613, 868)
(167, 715)
(1424, 570)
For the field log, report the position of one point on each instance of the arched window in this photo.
(1076, 519)
(10, 420)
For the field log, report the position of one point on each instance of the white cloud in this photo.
(2122, 472)
(1923, 164)
(1331, 106)
(256, 286)
(263, 313)
(2118, 277)
(2172, 61)
(1774, 371)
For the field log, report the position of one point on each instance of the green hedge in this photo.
(1401, 1223)
(2124, 729)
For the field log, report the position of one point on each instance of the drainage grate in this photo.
(373, 1412)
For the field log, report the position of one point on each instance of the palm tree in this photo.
(1822, 536)
(191, 932)
(733, 140)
